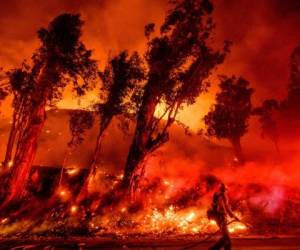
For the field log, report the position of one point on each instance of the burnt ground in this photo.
(249, 243)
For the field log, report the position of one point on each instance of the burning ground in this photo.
(173, 197)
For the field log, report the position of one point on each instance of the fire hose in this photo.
(208, 237)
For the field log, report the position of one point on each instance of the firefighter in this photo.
(218, 212)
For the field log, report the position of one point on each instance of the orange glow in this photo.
(73, 209)
(72, 171)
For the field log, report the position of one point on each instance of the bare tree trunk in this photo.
(134, 158)
(26, 153)
(238, 153)
(10, 144)
(96, 159)
(143, 130)
(14, 130)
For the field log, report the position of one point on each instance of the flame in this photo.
(62, 193)
(237, 227)
(4, 220)
(72, 171)
(73, 209)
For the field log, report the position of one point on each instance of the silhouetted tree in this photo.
(122, 79)
(120, 95)
(179, 60)
(80, 121)
(267, 120)
(61, 59)
(21, 85)
(228, 117)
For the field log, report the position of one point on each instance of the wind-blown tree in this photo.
(179, 60)
(80, 121)
(122, 79)
(61, 59)
(21, 84)
(229, 116)
(267, 120)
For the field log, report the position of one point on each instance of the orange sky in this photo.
(263, 32)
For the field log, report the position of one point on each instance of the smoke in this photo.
(263, 34)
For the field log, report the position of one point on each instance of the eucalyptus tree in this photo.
(179, 61)
(62, 59)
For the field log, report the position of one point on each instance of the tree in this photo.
(61, 59)
(228, 117)
(179, 60)
(21, 86)
(268, 122)
(120, 95)
(80, 121)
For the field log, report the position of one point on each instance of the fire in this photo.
(10, 164)
(237, 227)
(73, 209)
(190, 217)
(62, 193)
(72, 171)
(157, 221)
(4, 220)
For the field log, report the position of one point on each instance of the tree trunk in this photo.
(96, 158)
(26, 153)
(143, 130)
(134, 158)
(238, 153)
(10, 145)
(14, 130)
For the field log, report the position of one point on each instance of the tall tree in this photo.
(80, 121)
(179, 60)
(21, 85)
(61, 59)
(120, 95)
(229, 116)
(266, 113)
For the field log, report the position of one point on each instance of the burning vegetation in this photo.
(162, 188)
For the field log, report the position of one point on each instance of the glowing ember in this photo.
(72, 171)
(237, 227)
(62, 193)
(3, 221)
(74, 209)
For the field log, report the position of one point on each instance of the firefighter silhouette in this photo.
(218, 212)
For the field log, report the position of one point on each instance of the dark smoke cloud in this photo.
(264, 34)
